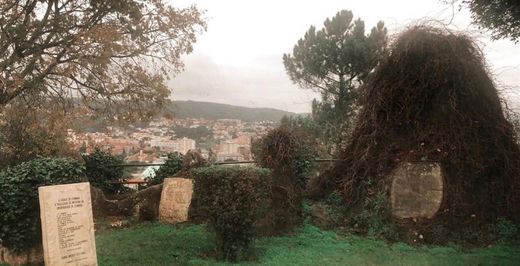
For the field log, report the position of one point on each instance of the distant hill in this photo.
(209, 110)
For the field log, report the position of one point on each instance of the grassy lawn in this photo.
(159, 244)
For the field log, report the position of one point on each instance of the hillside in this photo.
(209, 110)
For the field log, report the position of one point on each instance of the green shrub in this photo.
(171, 167)
(19, 207)
(373, 220)
(102, 172)
(506, 231)
(232, 198)
(334, 199)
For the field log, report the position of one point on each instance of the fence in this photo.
(138, 182)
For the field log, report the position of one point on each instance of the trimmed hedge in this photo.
(232, 198)
(19, 207)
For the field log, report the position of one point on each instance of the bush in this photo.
(19, 207)
(287, 151)
(232, 198)
(507, 231)
(290, 156)
(102, 173)
(171, 167)
(373, 218)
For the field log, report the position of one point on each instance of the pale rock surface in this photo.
(416, 190)
(175, 200)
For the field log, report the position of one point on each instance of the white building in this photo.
(178, 145)
(184, 145)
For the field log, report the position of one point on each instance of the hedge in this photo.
(232, 198)
(19, 208)
(102, 172)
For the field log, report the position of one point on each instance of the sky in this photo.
(238, 60)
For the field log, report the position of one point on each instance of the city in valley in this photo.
(221, 139)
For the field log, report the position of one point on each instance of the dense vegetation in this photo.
(502, 17)
(448, 112)
(20, 227)
(290, 156)
(232, 199)
(171, 166)
(208, 110)
(336, 61)
(199, 134)
(102, 171)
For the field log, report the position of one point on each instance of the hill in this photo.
(209, 110)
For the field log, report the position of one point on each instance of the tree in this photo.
(335, 61)
(103, 170)
(170, 167)
(502, 17)
(38, 132)
(114, 56)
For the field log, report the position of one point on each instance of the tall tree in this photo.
(108, 55)
(335, 61)
(500, 16)
(38, 132)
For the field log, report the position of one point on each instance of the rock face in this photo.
(417, 190)
(175, 200)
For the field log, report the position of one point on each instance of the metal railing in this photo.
(218, 163)
(136, 182)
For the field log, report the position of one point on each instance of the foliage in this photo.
(102, 171)
(500, 16)
(19, 208)
(335, 61)
(309, 131)
(171, 166)
(193, 159)
(199, 133)
(415, 110)
(215, 111)
(40, 131)
(233, 198)
(507, 231)
(113, 55)
(334, 199)
(373, 220)
(290, 156)
(288, 150)
(189, 244)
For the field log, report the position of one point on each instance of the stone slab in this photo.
(67, 225)
(175, 200)
(417, 190)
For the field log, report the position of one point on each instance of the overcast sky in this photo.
(238, 60)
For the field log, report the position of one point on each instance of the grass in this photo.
(160, 244)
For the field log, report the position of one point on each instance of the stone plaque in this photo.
(67, 225)
(417, 190)
(175, 200)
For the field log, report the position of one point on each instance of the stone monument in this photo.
(417, 190)
(175, 200)
(67, 225)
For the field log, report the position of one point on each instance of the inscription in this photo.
(67, 225)
(175, 200)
